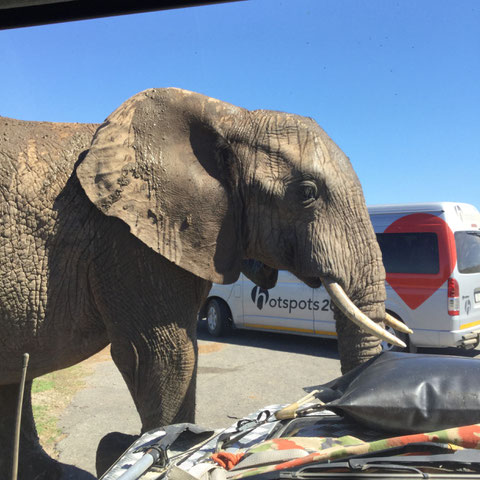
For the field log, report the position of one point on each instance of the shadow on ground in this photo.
(315, 346)
(69, 472)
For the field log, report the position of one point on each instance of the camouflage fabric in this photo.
(322, 449)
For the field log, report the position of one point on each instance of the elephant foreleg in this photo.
(34, 463)
(149, 307)
(159, 367)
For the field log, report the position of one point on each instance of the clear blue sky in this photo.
(396, 84)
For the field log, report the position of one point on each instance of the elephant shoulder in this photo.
(36, 158)
(36, 161)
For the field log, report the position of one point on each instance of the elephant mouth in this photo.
(354, 314)
(312, 282)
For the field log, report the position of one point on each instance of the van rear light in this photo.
(453, 297)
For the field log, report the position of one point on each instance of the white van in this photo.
(431, 252)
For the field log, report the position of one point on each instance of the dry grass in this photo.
(210, 348)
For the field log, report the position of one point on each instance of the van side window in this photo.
(468, 251)
(410, 252)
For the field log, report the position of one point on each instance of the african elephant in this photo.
(120, 243)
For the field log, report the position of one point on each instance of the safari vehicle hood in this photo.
(349, 433)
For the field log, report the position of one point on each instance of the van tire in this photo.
(400, 335)
(218, 315)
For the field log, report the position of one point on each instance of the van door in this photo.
(468, 265)
(286, 307)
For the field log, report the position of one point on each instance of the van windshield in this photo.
(409, 252)
(468, 251)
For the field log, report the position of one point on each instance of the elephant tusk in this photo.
(353, 313)
(396, 324)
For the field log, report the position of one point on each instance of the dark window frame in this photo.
(468, 262)
(413, 253)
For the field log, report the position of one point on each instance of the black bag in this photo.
(408, 393)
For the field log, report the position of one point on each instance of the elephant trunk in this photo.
(360, 271)
(356, 346)
(367, 292)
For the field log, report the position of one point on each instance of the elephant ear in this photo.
(161, 164)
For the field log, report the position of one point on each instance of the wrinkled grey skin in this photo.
(119, 244)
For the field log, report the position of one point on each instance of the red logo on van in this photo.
(415, 289)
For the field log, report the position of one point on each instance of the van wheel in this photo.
(400, 335)
(217, 317)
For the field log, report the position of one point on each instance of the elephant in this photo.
(114, 235)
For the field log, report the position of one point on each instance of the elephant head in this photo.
(207, 184)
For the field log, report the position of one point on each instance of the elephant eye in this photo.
(309, 192)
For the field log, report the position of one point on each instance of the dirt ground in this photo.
(53, 393)
(82, 378)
